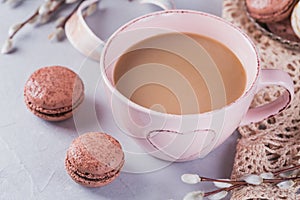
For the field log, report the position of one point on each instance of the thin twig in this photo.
(63, 23)
(233, 182)
(36, 13)
(286, 170)
(60, 3)
(206, 194)
(278, 180)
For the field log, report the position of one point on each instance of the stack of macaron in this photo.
(53, 93)
(280, 17)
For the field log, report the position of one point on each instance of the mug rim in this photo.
(165, 12)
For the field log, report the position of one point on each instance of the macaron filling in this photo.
(93, 177)
(55, 112)
(58, 114)
(100, 178)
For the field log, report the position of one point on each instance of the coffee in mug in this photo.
(177, 73)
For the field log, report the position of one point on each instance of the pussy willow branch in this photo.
(286, 170)
(35, 14)
(60, 3)
(233, 182)
(236, 184)
(63, 23)
(206, 194)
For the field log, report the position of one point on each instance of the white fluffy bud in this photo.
(196, 195)
(190, 178)
(13, 29)
(7, 46)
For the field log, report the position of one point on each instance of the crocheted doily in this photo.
(274, 143)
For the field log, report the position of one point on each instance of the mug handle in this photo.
(84, 39)
(271, 77)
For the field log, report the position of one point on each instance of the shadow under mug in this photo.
(191, 136)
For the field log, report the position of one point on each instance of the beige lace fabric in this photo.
(274, 143)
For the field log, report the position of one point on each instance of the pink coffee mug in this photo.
(187, 137)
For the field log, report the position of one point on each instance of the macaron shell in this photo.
(295, 19)
(270, 10)
(53, 88)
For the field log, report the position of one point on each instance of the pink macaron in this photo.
(94, 159)
(53, 93)
(270, 11)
